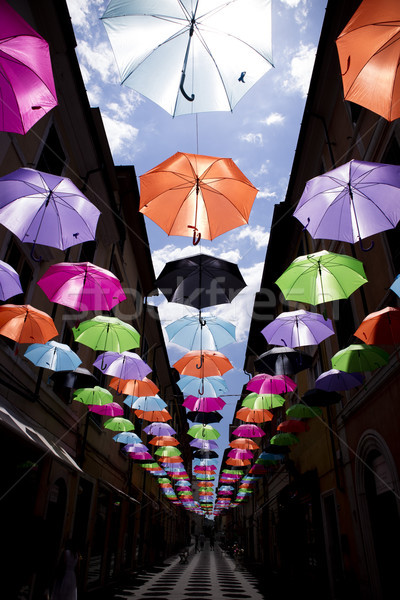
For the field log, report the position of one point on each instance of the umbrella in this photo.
(204, 417)
(301, 411)
(126, 365)
(153, 415)
(196, 333)
(210, 386)
(248, 430)
(82, 286)
(25, 324)
(78, 378)
(53, 355)
(106, 333)
(262, 401)
(292, 426)
(239, 453)
(10, 284)
(321, 277)
(164, 440)
(351, 202)
(268, 457)
(271, 384)
(381, 327)
(337, 381)
(134, 387)
(204, 444)
(217, 50)
(40, 208)
(203, 364)
(159, 429)
(395, 287)
(145, 403)
(318, 397)
(168, 451)
(201, 280)
(254, 416)
(298, 328)
(190, 194)
(244, 444)
(284, 439)
(283, 361)
(203, 404)
(359, 357)
(127, 437)
(237, 462)
(27, 86)
(119, 424)
(96, 395)
(205, 454)
(368, 50)
(111, 410)
(205, 432)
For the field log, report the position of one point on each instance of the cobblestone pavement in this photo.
(209, 575)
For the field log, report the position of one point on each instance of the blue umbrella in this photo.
(196, 333)
(338, 381)
(395, 287)
(53, 355)
(146, 403)
(127, 437)
(212, 386)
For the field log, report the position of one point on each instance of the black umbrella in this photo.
(204, 417)
(200, 281)
(275, 449)
(80, 378)
(282, 361)
(205, 454)
(318, 397)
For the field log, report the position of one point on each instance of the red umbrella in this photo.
(293, 426)
(381, 327)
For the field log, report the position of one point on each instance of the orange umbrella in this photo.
(170, 459)
(206, 363)
(381, 327)
(237, 462)
(244, 444)
(164, 440)
(160, 416)
(134, 387)
(369, 52)
(191, 194)
(253, 416)
(25, 324)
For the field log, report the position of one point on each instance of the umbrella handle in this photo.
(369, 247)
(103, 366)
(201, 390)
(201, 362)
(33, 257)
(196, 234)
(189, 98)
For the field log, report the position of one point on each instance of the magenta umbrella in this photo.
(271, 384)
(125, 365)
(82, 286)
(27, 88)
(113, 409)
(203, 404)
(241, 454)
(248, 430)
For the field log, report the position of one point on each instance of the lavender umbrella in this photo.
(204, 444)
(352, 202)
(125, 365)
(159, 429)
(298, 328)
(10, 284)
(338, 381)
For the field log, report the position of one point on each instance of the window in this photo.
(52, 158)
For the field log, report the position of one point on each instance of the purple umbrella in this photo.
(27, 88)
(136, 447)
(111, 410)
(203, 404)
(159, 429)
(125, 365)
(10, 284)
(352, 202)
(298, 328)
(40, 208)
(338, 381)
(204, 444)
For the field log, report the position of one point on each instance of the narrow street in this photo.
(207, 574)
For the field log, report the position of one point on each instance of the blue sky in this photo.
(260, 135)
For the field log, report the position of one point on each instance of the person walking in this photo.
(196, 543)
(65, 583)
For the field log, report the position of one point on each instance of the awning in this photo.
(24, 426)
(118, 491)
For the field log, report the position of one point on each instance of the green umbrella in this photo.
(301, 411)
(204, 432)
(119, 424)
(359, 357)
(107, 333)
(284, 439)
(321, 277)
(97, 396)
(263, 401)
(163, 480)
(167, 451)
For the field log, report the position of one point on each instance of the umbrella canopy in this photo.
(205, 432)
(338, 381)
(201, 280)
(27, 85)
(196, 333)
(126, 365)
(106, 333)
(164, 440)
(204, 417)
(203, 404)
(205, 454)
(96, 395)
(284, 439)
(113, 409)
(292, 426)
(78, 378)
(127, 437)
(359, 357)
(161, 48)
(145, 403)
(53, 355)
(153, 415)
(244, 444)
(240, 453)
(254, 416)
(369, 51)
(159, 429)
(248, 430)
(381, 327)
(25, 324)
(318, 397)
(351, 202)
(283, 361)
(190, 194)
(134, 387)
(210, 386)
(238, 462)
(10, 284)
(204, 444)
(168, 451)
(263, 401)
(82, 286)
(321, 277)
(203, 364)
(302, 411)
(263, 383)
(40, 208)
(119, 424)
(298, 328)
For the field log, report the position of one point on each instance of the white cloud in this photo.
(291, 3)
(120, 134)
(256, 235)
(99, 58)
(128, 101)
(301, 10)
(273, 119)
(95, 94)
(252, 138)
(266, 193)
(263, 169)
(301, 66)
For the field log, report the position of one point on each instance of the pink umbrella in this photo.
(271, 384)
(203, 404)
(113, 409)
(248, 430)
(241, 454)
(27, 88)
(82, 286)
